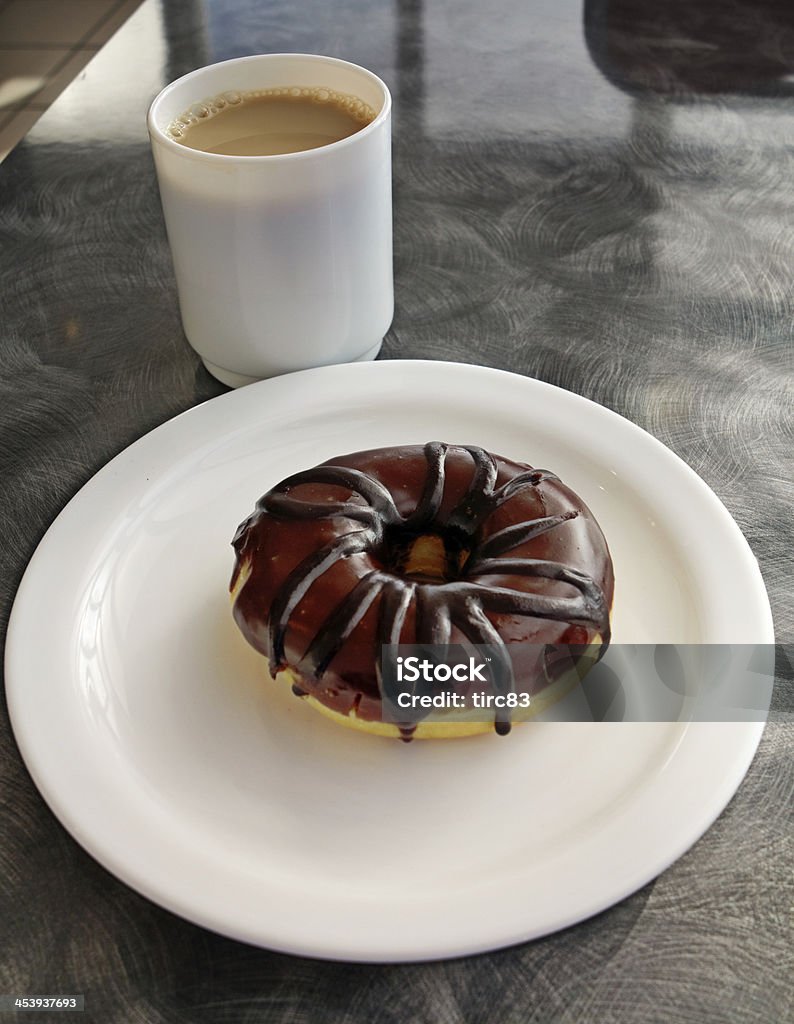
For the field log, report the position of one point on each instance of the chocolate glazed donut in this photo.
(436, 544)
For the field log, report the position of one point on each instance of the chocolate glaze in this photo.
(524, 561)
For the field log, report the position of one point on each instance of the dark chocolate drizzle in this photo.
(462, 603)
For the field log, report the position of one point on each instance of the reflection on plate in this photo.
(146, 724)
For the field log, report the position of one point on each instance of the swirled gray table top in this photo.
(596, 195)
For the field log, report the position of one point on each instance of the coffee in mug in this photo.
(267, 122)
(277, 202)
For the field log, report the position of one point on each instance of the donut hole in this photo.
(425, 555)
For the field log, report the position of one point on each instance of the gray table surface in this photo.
(599, 196)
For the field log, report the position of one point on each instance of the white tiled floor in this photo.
(44, 44)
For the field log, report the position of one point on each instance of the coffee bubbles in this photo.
(269, 122)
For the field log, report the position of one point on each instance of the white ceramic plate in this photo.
(144, 720)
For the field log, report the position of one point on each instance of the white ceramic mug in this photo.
(282, 262)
